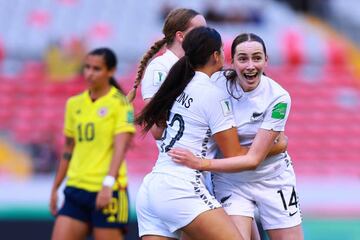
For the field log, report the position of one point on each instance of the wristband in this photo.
(109, 181)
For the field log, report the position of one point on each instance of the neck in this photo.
(96, 93)
(177, 50)
(208, 70)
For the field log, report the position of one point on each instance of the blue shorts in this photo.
(80, 204)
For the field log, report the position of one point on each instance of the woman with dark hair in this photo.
(173, 198)
(98, 129)
(261, 109)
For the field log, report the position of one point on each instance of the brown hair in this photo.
(177, 20)
(230, 74)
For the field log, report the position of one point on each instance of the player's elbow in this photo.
(254, 162)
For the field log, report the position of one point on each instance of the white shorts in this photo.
(276, 199)
(166, 203)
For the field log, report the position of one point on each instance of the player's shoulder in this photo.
(213, 90)
(160, 63)
(218, 78)
(275, 87)
(118, 98)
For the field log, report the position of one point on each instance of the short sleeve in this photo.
(277, 114)
(154, 76)
(124, 118)
(69, 119)
(220, 114)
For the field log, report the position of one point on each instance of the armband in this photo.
(109, 181)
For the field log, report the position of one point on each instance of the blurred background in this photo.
(314, 53)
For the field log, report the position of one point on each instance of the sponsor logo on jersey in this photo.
(224, 203)
(159, 77)
(292, 214)
(257, 117)
(279, 111)
(226, 107)
(224, 199)
(102, 111)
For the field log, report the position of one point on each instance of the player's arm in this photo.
(229, 145)
(280, 145)
(121, 144)
(61, 172)
(258, 151)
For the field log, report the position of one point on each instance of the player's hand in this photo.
(53, 202)
(282, 142)
(103, 197)
(185, 157)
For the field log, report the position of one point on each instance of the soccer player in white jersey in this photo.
(261, 110)
(173, 198)
(177, 24)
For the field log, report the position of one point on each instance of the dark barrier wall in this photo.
(40, 230)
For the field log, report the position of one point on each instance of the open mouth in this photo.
(250, 76)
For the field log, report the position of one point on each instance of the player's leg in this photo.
(255, 235)
(292, 233)
(108, 233)
(111, 222)
(69, 228)
(279, 206)
(212, 225)
(73, 218)
(244, 225)
(238, 204)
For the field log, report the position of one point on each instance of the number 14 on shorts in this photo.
(292, 201)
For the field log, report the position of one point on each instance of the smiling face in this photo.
(96, 72)
(249, 61)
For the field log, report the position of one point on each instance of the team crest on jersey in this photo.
(103, 111)
(159, 77)
(226, 107)
(130, 117)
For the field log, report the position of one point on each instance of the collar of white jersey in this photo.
(201, 76)
(171, 56)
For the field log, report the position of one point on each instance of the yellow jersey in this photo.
(93, 126)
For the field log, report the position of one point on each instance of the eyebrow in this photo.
(255, 53)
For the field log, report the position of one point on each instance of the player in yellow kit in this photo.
(98, 128)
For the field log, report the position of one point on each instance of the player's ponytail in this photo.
(114, 83)
(155, 48)
(199, 45)
(177, 20)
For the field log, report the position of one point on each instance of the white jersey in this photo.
(156, 73)
(193, 119)
(265, 107)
